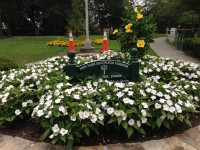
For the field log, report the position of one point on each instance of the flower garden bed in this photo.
(167, 94)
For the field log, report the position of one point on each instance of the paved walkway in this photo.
(189, 140)
(163, 49)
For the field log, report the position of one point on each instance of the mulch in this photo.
(29, 129)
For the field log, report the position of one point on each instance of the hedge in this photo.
(192, 46)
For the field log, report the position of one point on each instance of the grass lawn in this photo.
(26, 49)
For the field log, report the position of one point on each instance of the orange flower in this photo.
(140, 43)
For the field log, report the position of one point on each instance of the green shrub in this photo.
(6, 64)
(192, 46)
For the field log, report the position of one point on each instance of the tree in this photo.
(76, 21)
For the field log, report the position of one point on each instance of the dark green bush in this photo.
(192, 46)
(112, 36)
(6, 64)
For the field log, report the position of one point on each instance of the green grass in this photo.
(159, 35)
(26, 49)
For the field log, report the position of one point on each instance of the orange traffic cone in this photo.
(71, 42)
(105, 42)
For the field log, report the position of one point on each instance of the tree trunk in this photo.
(9, 29)
(1, 30)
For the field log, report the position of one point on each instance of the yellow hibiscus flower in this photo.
(140, 43)
(115, 31)
(128, 28)
(139, 16)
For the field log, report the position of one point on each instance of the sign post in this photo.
(106, 69)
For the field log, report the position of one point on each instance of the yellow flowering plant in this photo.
(137, 31)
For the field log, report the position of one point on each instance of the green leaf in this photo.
(166, 124)
(87, 131)
(130, 111)
(54, 141)
(119, 120)
(180, 118)
(100, 122)
(45, 134)
(112, 119)
(45, 124)
(129, 131)
(125, 125)
(63, 138)
(159, 122)
(70, 137)
(141, 130)
(10, 119)
(77, 134)
(188, 122)
(70, 144)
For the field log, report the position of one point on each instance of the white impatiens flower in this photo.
(103, 104)
(110, 110)
(160, 94)
(120, 94)
(126, 100)
(144, 112)
(169, 103)
(143, 119)
(76, 96)
(73, 118)
(55, 128)
(131, 122)
(100, 117)
(97, 111)
(153, 97)
(157, 106)
(57, 101)
(17, 112)
(57, 92)
(93, 118)
(138, 123)
(24, 104)
(145, 105)
(63, 131)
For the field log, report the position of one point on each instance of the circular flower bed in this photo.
(65, 43)
(168, 92)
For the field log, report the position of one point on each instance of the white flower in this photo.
(145, 105)
(160, 94)
(76, 96)
(17, 112)
(165, 107)
(63, 131)
(110, 110)
(144, 112)
(172, 109)
(24, 104)
(142, 93)
(103, 104)
(144, 119)
(95, 84)
(120, 94)
(40, 113)
(167, 96)
(119, 85)
(73, 118)
(162, 100)
(55, 128)
(51, 136)
(131, 122)
(157, 106)
(93, 118)
(101, 116)
(174, 94)
(57, 92)
(130, 93)
(57, 101)
(138, 123)
(97, 111)
(169, 103)
(126, 100)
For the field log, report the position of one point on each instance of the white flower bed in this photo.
(168, 91)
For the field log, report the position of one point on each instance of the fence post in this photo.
(71, 67)
(134, 66)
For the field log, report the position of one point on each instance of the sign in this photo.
(106, 69)
(172, 35)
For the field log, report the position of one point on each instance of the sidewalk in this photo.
(163, 49)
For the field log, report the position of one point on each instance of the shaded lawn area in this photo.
(26, 49)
